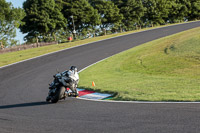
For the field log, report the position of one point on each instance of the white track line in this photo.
(139, 102)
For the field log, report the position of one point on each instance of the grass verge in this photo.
(166, 69)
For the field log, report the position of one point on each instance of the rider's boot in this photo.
(75, 94)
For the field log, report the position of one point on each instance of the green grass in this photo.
(9, 58)
(167, 69)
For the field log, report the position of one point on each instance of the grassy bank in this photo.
(9, 58)
(167, 69)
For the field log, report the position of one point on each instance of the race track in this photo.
(24, 87)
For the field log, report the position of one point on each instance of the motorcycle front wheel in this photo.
(59, 95)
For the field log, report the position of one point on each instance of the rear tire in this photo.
(59, 95)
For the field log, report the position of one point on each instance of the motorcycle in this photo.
(58, 89)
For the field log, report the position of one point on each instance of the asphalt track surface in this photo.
(24, 87)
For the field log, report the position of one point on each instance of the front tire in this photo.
(59, 95)
(48, 99)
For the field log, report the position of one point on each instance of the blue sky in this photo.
(18, 3)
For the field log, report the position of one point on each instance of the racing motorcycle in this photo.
(58, 89)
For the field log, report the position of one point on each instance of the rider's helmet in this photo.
(74, 68)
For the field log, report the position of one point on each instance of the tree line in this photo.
(55, 20)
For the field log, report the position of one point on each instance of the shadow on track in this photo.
(24, 105)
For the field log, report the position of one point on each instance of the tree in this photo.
(109, 14)
(43, 18)
(179, 11)
(133, 11)
(194, 9)
(157, 11)
(9, 20)
(58, 20)
(85, 17)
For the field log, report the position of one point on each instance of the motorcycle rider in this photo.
(72, 78)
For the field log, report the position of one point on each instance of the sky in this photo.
(18, 3)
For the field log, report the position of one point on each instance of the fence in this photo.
(25, 46)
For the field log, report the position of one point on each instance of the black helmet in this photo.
(73, 68)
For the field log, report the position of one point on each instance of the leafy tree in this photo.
(157, 11)
(58, 20)
(132, 10)
(9, 20)
(85, 17)
(43, 18)
(109, 14)
(179, 11)
(194, 10)
(118, 2)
